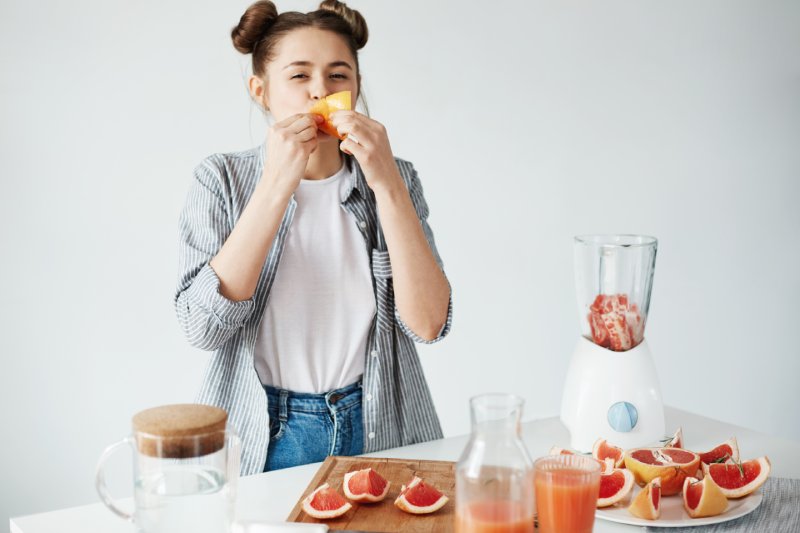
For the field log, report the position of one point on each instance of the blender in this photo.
(612, 388)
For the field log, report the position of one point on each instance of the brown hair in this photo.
(261, 28)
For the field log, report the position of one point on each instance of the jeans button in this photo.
(334, 398)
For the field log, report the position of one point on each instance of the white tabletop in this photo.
(271, 496)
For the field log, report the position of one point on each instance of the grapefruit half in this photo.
(672, 465)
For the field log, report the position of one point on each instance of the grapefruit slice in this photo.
(555, 450)
(728, 450)
(615, 485)
(703, 498)
(647, 504)
(365, 486)
(325, 503)
(736, 479)
(672, 465)
(603, 449)
(676, 441)
(420, 498)
(324, 107)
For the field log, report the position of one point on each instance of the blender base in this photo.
(612, 395)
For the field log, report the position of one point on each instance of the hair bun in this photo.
(253, 25)
(356, 21)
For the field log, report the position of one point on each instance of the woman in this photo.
(307, 264)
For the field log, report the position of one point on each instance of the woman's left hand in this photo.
(367, 141)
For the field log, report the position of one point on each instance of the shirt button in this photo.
(362, 224)
(369, 396)
(374, 353)
(371, 434)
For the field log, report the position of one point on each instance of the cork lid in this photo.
(180, 430)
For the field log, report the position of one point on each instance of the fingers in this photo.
(299, 122)
(351, 147)
(352, 131)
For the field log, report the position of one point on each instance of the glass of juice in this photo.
(566, 493)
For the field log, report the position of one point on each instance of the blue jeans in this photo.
(306, 428)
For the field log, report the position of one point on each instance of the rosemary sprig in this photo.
(722, 459)
(739, 465)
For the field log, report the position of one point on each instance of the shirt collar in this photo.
(357, 179)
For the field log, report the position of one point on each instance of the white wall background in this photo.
(529, 122)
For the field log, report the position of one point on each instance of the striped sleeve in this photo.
(207, 318)
(414, 186)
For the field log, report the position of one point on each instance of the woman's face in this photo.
(309, 64)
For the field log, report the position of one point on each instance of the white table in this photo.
(271, 496)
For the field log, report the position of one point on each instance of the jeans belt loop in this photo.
(283, 406)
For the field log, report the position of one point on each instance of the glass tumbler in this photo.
(567, 487)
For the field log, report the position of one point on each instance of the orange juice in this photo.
(494, 517)
(566, 499)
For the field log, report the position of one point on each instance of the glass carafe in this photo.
(494, 476)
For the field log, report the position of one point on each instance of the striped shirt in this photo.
(398, 408)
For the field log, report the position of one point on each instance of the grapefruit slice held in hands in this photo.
(365, 486)
(736, 479)
(703, 498)
(420, 498)
(647, 504)
(333, 102)
(325, 503)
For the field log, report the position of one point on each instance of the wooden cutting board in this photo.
(384, 517)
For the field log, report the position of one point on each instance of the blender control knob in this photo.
(622, 416)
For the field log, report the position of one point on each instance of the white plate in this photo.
(674, 515)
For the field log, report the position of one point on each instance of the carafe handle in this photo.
(234, 445)
(100, 479)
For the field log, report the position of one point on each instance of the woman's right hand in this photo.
(289, 145)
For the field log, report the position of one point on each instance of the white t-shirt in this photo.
(313, 336)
